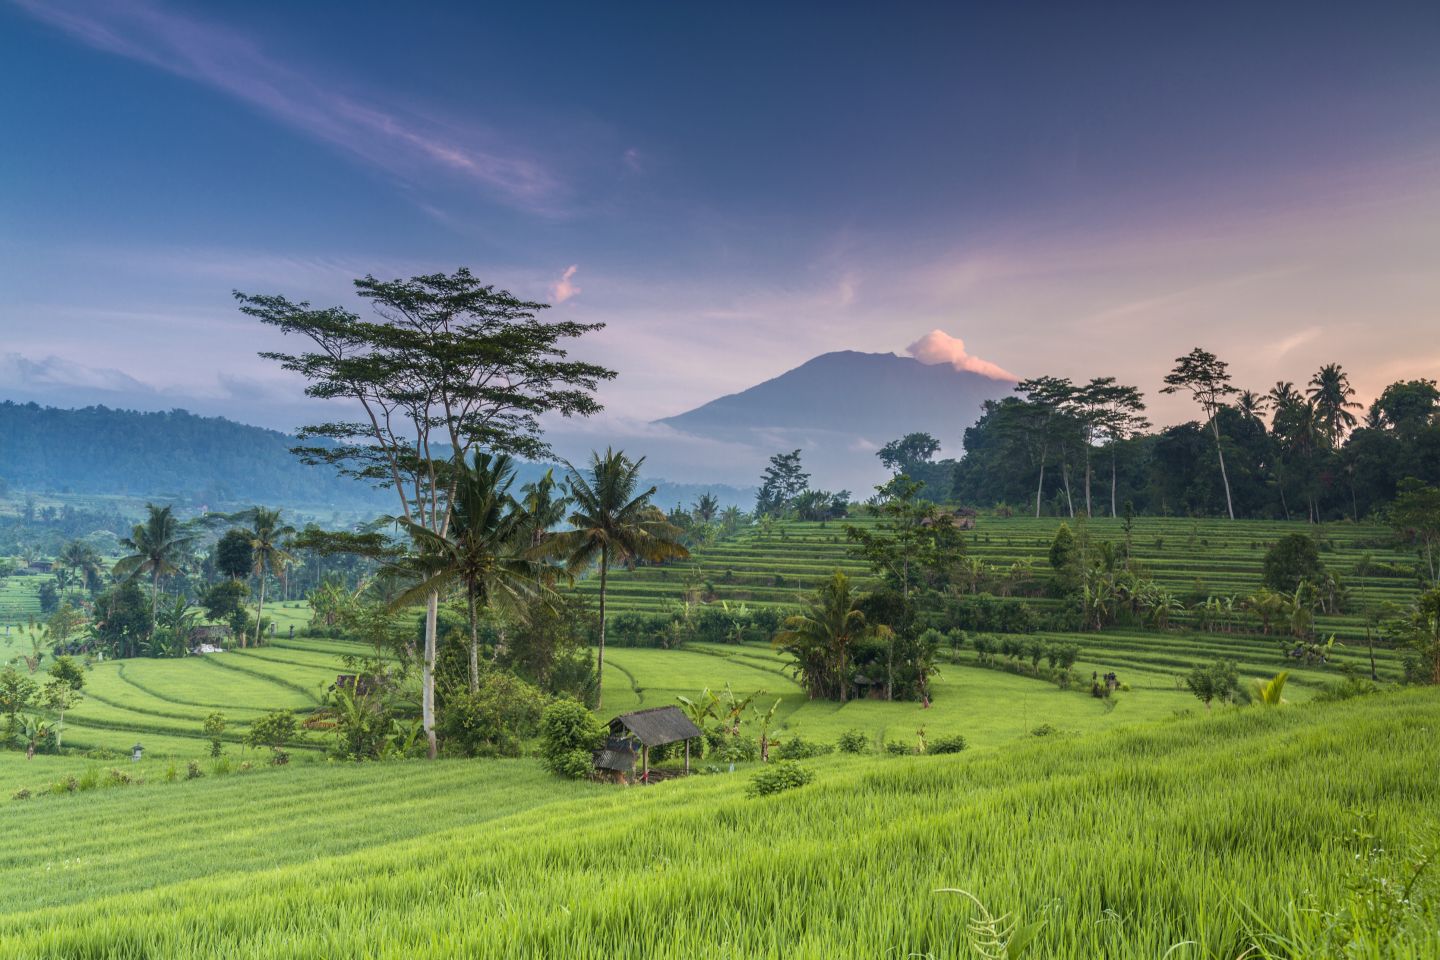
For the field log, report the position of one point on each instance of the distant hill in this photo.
(203, 460)
(840, 407)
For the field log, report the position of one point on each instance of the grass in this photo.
(1198, 832)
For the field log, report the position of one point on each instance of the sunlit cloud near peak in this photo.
(938, 347)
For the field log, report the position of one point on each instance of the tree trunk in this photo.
(427, 673)
(1040, 487)
(260, 609)
(154, 599)
(474, 644)
(600, 658)
(1065, 475)
(1113, 486)
(1088, 512)
(1224, 477)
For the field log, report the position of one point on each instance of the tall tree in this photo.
(156, 546)
(707, 507)
(1120, 417)
(84, 562)
(1333, 397)
(544, 504)
(233, 556)
(486, 551)
(783, 480)
(269, 538)
(905, 454)
(1252, 405)
(451, 365)
(613, 522)
(1207, 379)
(1046, 401)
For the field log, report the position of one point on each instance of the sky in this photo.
(1071, 189)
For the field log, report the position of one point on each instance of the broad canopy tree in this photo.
(448, 365)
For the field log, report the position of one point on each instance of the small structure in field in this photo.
(644, 728)
(209, 638)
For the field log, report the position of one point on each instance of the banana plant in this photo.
(1269, 691)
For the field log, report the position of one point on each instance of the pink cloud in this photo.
(564, 289)
(937, 346)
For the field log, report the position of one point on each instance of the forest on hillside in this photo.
(175, 454)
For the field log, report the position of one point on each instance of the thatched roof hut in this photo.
(647, 728)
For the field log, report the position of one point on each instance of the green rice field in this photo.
(1194, 837)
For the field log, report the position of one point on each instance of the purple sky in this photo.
(1076, 193)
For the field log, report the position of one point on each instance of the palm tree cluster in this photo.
(822, 639)
(1307, 449)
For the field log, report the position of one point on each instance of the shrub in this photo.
(735, 750)
(951, 744)
(569, 736)
(899, 748)
(22, 794)
(785, 775)
(495, 719)
(193, 771)
(1044, 730)
(799, 748)
(1295, 557)
(854, 741)
(274, 730)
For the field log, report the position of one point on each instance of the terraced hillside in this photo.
(1188, 557)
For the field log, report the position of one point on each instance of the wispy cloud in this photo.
(1286, 344)
(565, 287)
(937, 346)
(390, 138)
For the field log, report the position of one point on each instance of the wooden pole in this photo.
(645, 762)
(687, 756)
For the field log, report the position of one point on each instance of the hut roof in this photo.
(656, 726)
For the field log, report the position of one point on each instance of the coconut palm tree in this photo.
(486, 551)
(1333, 397)
(821, 638)
(543, 504)
(612, 522)
(82, 560)
(157, 547)
(268, 540)
(1252, 405)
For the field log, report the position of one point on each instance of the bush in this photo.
(569, 736)
(951, 744)
(785, 775)
(799, 748)
(494, 720)
(899, 748)
(22, 794)
(1044, 730)
(1295, 557)
(735, 750)
(193, 771)
(854, 741)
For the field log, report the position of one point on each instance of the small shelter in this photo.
(647, 728)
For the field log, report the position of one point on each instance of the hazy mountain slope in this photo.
(210, 460)
(841, 406)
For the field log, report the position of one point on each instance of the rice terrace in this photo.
(628, 592)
